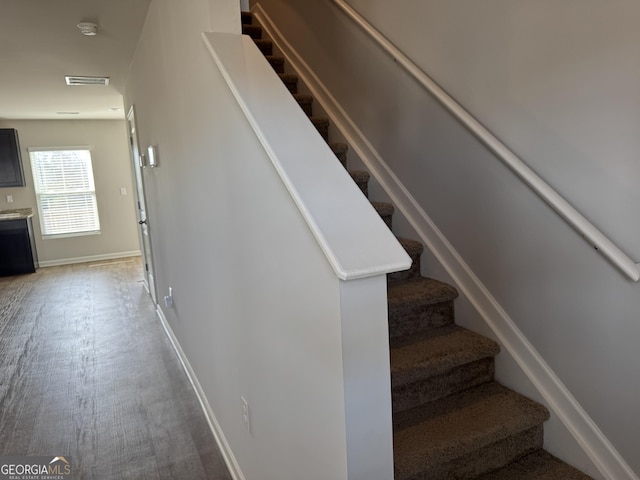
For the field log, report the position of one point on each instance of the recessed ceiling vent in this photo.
(101, 81)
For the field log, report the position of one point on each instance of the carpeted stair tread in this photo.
(359, 175)
(254, 31)
(385, 210)
(340, 150)
(436, 352)
(441, 439)
(322, 125)
(453, 381)
(485, 459)
(305, 101)
(433, 291)
(442, 362)
(290, 81)
(537, 466)
(265, 46)
(339, 147)
(303, 97)
(417, 305)
(414, 249)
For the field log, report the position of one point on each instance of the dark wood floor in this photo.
(87, 371)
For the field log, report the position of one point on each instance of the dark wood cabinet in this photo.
(17, 247)
(11, 172)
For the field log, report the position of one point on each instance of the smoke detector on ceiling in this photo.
(88, 28)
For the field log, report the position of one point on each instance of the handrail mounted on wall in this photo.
(574, 218)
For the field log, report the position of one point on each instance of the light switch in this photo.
(153, 156)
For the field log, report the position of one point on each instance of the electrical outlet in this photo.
(9, 198)
(245, 414)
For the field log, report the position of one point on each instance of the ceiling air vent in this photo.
(101, 81)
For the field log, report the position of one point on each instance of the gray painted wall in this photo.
(111, 170)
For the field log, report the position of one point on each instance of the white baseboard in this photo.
(225, 449)
(586, 433)
(91, 258)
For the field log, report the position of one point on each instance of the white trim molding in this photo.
(90, 258)
(216, 430)
(587, 434)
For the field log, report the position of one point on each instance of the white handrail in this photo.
(594, 236)
(356, 242)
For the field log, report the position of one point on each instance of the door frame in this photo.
(144, 234)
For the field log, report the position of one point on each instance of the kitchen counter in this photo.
(16, 214)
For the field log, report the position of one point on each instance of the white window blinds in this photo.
(65, 191)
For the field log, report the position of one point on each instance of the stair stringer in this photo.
(593, 452)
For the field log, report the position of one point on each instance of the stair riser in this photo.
(362, 180)
(340, 152)
(364, 187)
(247, 18)
(439, 386)
(253, 31)
(486, 459)
(539, 465)
(307, 107)
(265, 46)
(276, 62)
(413, 272)
(291, 83)
(323, 128)
(410, 318)
(388, 220)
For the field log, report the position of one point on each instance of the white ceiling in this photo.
(40, 44)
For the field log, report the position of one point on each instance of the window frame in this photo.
(91, 191)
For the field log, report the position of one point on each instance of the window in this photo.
(65, 191)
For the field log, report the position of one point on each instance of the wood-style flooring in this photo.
(87, 372)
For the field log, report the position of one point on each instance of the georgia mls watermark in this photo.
(36, 468)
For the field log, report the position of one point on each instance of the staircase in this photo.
(451, 420)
